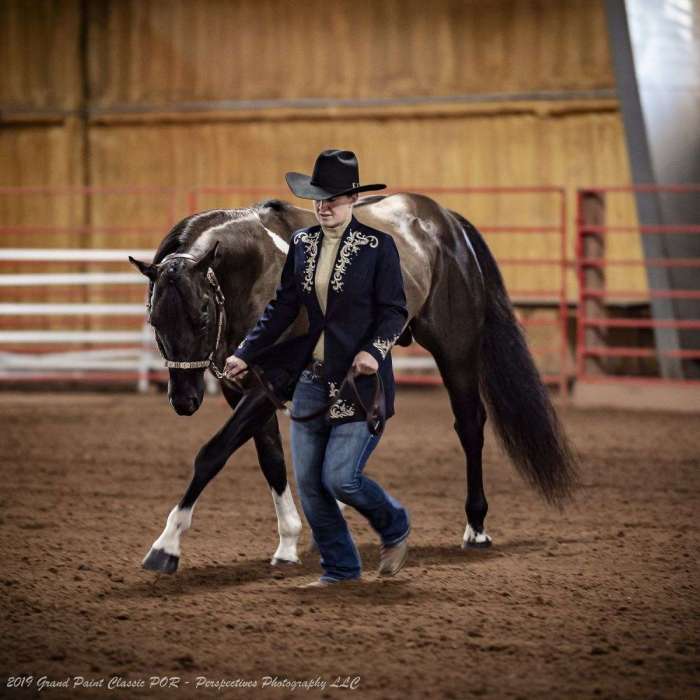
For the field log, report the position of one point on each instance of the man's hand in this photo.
(364, 363)
(234, 368)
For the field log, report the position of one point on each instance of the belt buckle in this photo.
(316, 368)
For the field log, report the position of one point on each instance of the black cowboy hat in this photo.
(335, 173)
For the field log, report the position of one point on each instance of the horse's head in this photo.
(185, 316)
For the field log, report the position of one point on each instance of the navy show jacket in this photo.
(365, 310)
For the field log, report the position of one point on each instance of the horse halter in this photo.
(219, 300)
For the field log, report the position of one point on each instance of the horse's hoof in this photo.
(475, 540)
(277, 561)
(162, 562)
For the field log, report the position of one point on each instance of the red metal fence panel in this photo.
(636, 356)
(87, 219)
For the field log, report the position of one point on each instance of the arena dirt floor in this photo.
(597, 601)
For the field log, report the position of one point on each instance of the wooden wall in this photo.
(40, 54)
(185, 93)
(458, 150)
(164, 52)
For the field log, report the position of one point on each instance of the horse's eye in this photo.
(205, 306)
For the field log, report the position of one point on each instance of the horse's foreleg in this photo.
(253, 411)
(271, 457)
(164, 555)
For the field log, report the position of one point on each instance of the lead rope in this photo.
(373, 414)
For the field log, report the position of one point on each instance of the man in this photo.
(348, 276)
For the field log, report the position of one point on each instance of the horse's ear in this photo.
(209, 258)
(146, 269)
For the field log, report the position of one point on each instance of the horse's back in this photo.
(420, 227)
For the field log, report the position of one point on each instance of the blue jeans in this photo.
(328, 463)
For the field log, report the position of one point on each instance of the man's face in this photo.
(332, 212)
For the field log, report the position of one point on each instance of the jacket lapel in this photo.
(349, 253)
(311, 241)
(337, 271)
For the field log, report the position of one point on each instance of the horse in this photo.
(214, 273)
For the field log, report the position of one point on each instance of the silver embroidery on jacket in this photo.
(384, 344)
(341, 408)
(350, 247)
(310, 240)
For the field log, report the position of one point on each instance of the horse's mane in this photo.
(277, 205)
(185, 232)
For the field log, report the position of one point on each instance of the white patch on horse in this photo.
(206, 240)
(193, 220)
(471, 536)
(178, 522)
(279, 242)
(288, 526)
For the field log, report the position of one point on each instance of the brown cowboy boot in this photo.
(393, 558)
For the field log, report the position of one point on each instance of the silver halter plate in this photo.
(219, 299)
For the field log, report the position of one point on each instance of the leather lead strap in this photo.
(374, 413)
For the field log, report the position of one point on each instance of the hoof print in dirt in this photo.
(159, 560)
(276, 561)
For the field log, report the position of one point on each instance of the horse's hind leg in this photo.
(253, 410)
(462, 385)
(457, 360)
(271, 457)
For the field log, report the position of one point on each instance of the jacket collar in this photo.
(312, 240)
(353, 240)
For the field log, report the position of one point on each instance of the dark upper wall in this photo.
(158, 53)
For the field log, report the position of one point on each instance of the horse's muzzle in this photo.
(186, 390)
(185, 406)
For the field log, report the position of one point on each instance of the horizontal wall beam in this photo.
(547, 102)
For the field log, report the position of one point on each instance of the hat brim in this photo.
(301, 186)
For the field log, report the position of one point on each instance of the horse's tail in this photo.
(518, 402)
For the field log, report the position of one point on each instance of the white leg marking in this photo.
(288, 526)
(471, 536)
(178, 521)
